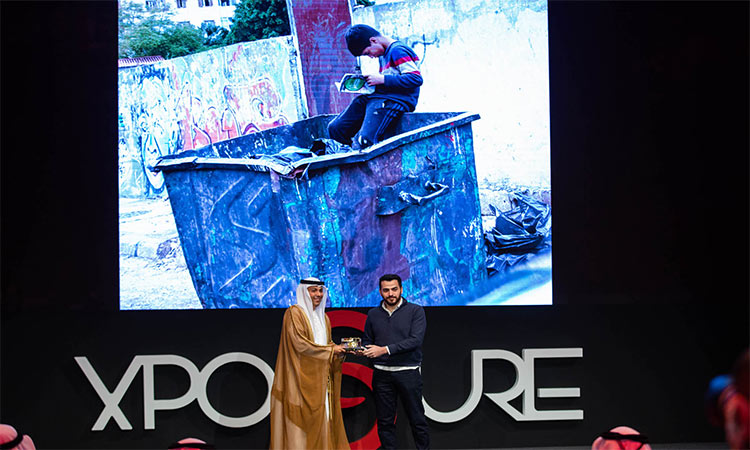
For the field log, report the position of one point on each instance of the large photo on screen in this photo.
(231, 188)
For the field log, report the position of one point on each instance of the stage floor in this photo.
(681, 446)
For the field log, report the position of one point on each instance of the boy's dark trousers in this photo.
(365, 121)
(405, 384)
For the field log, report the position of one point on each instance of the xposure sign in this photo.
(524, 385)
(196, 391)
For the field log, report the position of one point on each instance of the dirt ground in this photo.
(156, 284)
(153, 273)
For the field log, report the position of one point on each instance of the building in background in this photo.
(198, 12)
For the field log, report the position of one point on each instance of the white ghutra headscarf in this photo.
(316, 316)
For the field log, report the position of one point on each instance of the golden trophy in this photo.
(352, 344)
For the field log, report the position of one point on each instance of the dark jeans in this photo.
(407, 385)
(365, 121)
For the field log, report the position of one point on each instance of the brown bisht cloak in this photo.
(304, 370)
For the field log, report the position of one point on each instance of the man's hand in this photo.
(375, 79)
(338, 350)
(373, 351)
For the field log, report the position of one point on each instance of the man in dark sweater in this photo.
(393, 337)
(370, 116)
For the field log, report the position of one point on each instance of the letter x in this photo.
(111, 399)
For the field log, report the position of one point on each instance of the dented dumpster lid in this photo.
(265, 164)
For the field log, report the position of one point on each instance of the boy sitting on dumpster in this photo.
(369, 116)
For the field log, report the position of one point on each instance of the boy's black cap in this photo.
(358, 38)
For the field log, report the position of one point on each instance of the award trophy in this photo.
(352, 344)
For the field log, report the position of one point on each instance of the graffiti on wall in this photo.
(320, 26)
(195, 101)
(415, 42)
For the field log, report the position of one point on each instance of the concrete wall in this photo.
(193, 101)
(487, 57)
(319, 27)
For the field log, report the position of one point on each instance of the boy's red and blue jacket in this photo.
(402, 77)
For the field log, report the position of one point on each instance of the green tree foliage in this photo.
(258, 19)
(214, 36)
(151, 32)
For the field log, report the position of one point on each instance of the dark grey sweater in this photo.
(403, 333)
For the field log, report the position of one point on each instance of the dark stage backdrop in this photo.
(647, 367)
(649, 128)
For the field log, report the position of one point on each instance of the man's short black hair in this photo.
(389, 277)
(358, 38)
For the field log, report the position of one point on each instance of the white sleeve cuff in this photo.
(387, 349)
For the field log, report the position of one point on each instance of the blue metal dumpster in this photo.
(407, 205)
